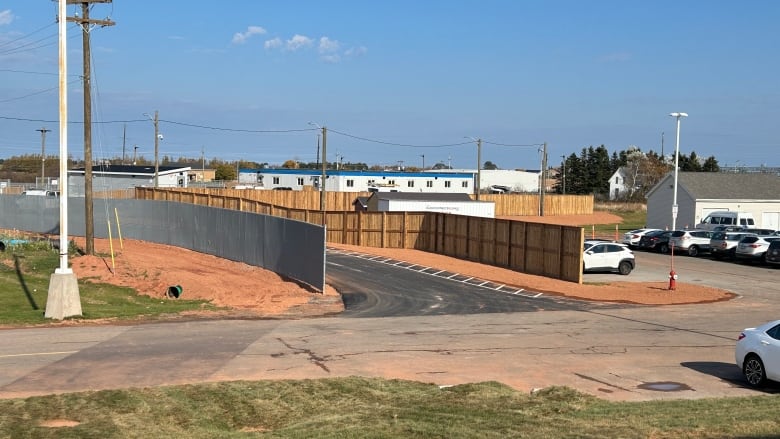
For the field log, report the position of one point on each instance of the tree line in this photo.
(590, 171)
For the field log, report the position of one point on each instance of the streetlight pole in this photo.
(324, 167)
(678, 116)
(563, 157)
(478, 186)
(423, 160)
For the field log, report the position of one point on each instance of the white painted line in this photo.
(466, 280)
(499, 287)
(34, 354)
(440, 271)
(483, 283)
(450, 277)
(537, 295)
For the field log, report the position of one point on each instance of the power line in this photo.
(399, 144)
(25, 36)
(205, 127)
(36, 93)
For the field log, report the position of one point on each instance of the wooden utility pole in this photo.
(86, 26)
(43, 155)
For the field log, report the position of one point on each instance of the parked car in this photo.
(757, 353)
(607, 256)
(773, 253)
(632, 238)
(726, 218)
(753, 248)
(692, 242)
(724, 244)
(657, 240)
(762, 232)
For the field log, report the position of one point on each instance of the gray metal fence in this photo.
(290, 248)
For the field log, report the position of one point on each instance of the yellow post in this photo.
(616, 232)
(593, 231)
(111, 244)
(119, 229)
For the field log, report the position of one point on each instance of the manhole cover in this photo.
(665, 386)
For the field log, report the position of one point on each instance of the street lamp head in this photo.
(314, 124)
(678, 114)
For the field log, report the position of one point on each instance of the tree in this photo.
(224, 171)
(489, 165)
(710, 165)
(290, 164)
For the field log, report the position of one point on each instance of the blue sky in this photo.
(420, 73)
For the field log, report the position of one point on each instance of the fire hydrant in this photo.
(672, 280)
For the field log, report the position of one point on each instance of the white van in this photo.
(727, 218)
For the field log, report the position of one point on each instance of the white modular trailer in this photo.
(116, 177)
(483, 209)
(360, 181)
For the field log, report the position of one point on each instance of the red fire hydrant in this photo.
(672, 280)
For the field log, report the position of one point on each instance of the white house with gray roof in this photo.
(699, 193)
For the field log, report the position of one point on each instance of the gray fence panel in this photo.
(291, 248)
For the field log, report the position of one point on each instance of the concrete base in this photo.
(63, 299)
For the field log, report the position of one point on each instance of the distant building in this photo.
(699, 193)
(429, 181)
(113, 177)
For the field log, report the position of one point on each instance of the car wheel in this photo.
(763, 259)
(664, 248)
(693, 250)
(754, 371)
(625, 268)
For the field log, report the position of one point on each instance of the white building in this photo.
(434, 181)
(699, 193)
(617, 184)
(456, 204)
(112, 177)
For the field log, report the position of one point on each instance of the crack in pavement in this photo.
(314, 358)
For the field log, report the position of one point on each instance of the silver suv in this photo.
(692, 242)
(724, 244)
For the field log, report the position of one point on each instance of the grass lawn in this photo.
(366, 408)
(25, 270)
(634, 217)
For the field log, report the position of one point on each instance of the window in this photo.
(391, 182)
(300, 181)
(464, 184)
(617, 180)
(447, 183)
(350, 183)
(410, 183)
(428, 183)
(276, 180)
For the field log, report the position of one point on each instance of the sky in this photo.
(402, 82)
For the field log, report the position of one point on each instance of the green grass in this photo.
(25, 271)
(633, 216)
(366, 408)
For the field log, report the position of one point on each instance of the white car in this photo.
(632, 238)
(607, 256)
(758, 353)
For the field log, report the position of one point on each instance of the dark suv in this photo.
(772, 256)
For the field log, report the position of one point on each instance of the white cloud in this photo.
(6, 17)
(327, 45)
(273, 44)
(333, 58)
(356, 51)
(242, 37)
(298, 42)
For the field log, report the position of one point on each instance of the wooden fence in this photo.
(506, 204)
(543, 249)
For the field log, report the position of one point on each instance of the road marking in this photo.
(34, 354)
(423, 270)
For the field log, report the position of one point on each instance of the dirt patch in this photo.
(59, 423)
(151, 269)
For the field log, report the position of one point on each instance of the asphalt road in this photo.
(374, 286)
(473, 333)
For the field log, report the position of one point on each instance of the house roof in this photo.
(362, 201)
(421, 196)
(728, 186)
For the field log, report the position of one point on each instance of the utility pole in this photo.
(479, 167)
(135, 150)
(318, 150)
(124, 138)
(86, 26)
(202, 163)
(156, 148)
(43, 154)
(542, 183)
(662, 147)
(423, 157)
